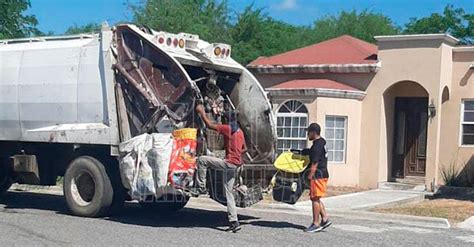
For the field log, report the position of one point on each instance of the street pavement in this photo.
(42, 219)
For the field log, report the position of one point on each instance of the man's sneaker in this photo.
(313, 228)
(325, 224)
(234, 227)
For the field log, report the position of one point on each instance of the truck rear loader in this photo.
(67, 102)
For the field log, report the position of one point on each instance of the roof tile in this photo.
(341, 50)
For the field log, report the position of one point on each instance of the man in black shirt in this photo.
(318, 177)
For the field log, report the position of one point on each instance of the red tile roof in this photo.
(341, 50)
(313, 83)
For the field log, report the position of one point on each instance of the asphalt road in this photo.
(42, 219)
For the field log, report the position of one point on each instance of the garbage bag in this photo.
(159, 157)
(183, 158)
(139, 168)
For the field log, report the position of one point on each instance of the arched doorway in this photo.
(406, 111)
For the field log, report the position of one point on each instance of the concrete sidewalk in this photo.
(368, 199)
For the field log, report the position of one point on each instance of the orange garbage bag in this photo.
(183, 158)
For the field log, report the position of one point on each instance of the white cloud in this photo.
(287, 5)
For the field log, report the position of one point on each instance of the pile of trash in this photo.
(149, 162)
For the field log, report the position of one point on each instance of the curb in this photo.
(421, 221)
(56, 190)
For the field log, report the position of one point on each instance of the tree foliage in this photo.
(14, 23)
(208, 18)
(252, 33)
(364, 25)
(454, 21)
(87, 28)
(255, 34)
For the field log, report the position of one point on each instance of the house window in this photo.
(336, 137)
(467, 123)
(292, 119)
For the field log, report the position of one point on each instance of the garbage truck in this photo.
(68, 102)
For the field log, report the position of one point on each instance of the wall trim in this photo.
(316, 92)
(434, 36)
(316, 68)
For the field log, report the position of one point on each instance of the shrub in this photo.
(450, 174)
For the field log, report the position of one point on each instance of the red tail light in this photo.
(175, 42)
(161, 40)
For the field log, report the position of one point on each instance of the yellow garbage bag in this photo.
(291, 162)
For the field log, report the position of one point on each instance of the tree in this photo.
(453, 21)
(255, 34)
(364, 25)
(88, 28)
(14, 23)
(207, 18)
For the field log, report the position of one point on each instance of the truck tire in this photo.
(167, 203)
(5, 175)
(87, 188)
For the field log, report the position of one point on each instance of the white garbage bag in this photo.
(144, 163)
(136, 173)
(159, 157)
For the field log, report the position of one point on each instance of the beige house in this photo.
(401, 111)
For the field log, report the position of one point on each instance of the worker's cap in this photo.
(314, 127)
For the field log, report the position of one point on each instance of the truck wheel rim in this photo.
(83, 188)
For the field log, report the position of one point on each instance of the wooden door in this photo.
(409, 154)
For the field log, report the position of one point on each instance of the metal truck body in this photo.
(70, 97)
(58, 90)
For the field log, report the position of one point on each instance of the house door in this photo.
(409, 154)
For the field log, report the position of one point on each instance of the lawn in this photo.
(454, 209)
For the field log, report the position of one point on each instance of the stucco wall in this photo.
(462, 87)
(347, 173)
(417, 61)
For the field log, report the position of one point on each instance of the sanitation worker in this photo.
(234, 142)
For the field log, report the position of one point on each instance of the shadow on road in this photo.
(134, 214)
(29, 200)
(185, 218)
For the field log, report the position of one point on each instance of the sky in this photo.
(58, 15)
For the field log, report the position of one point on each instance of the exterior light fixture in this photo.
(431, 110)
